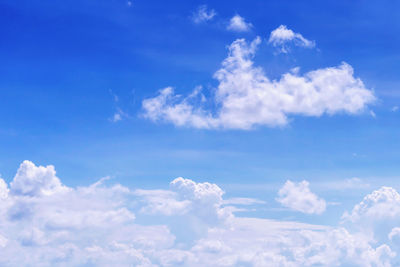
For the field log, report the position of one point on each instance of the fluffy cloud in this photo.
(376, 216)
(261, 242)
(282, 36)
(3, 189)
(32, 181)
(381, 204)
(238, 24)
(299, 197)
(246, 97)
(203, 14)
(162, 202)
(201, 204)
(45, 223)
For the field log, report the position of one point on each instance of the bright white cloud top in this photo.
(380, 205)
(245, 97)
(191, 224)
(298, 197)
(238, 24)
(282, 36)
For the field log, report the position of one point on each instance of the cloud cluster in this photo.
(281, 37)
(236, 24)
(245, 97)
(381, 204)
(45, 223)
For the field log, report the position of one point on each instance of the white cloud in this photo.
(298, 197)
(203, 200)
(162, 202)
(354, 183)
(261, 242)
(51, 224)
(394, 233)
(395, 108)
(346, 184)
(3, 189)
(380, 204)
(118, 115)
(238, 24)
(282, 36)
(242, 201)
(377, 216)
(246, 97)
(203, 14)
(111, 225)
(206, 199)
(33, 181)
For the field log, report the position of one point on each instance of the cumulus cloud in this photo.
(203, 200)
(298, 196)
(377, 216)
(3, 189)
(31, 180)
(282, 37)
(162, 202)
(203, 14)
(45, 223)
(52, 224)
(238, 24)
(245, 97)
(381, 204)
(262, 242)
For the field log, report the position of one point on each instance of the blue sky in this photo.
(75, 77)
(63, 64)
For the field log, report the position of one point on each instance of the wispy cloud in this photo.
(238, 24)
(242, 201)
(281, 37)
(203, 14)
(119, 114)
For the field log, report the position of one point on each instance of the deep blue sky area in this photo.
(63, 63)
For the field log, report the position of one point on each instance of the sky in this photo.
(190, 133)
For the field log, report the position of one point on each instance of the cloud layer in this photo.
(45, 223)
(245, 97)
